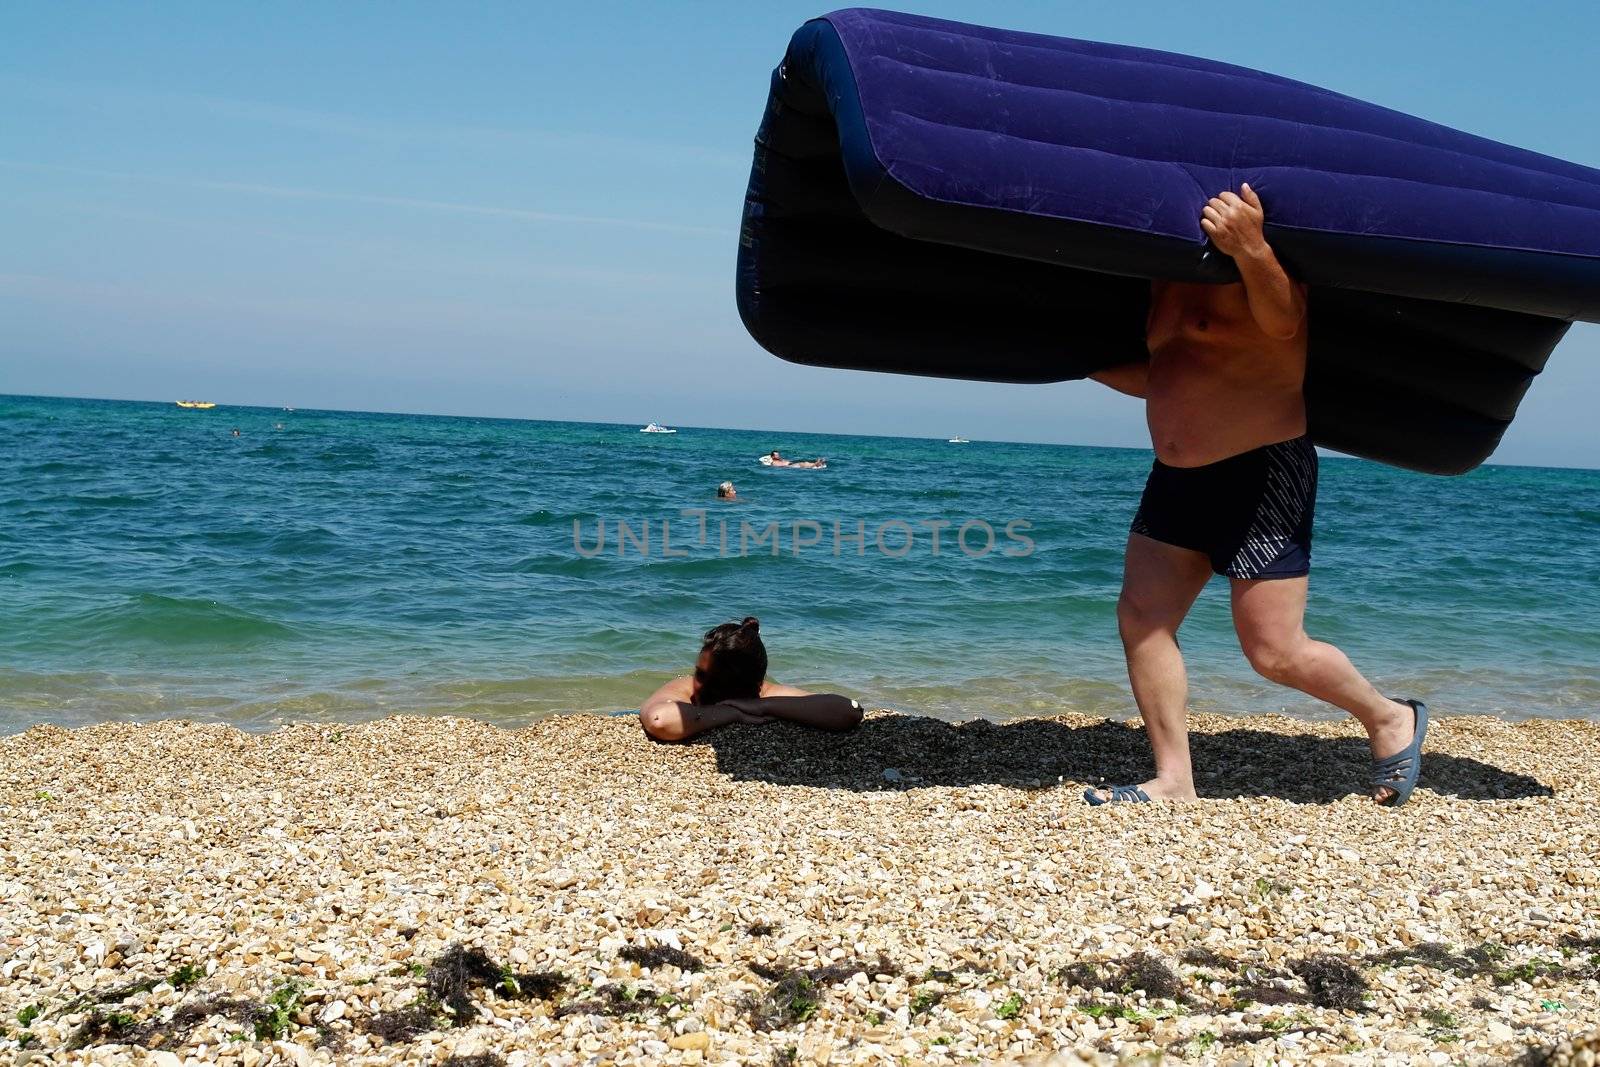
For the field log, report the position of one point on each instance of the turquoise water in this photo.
(336, 565)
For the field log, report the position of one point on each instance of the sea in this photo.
(262, 565)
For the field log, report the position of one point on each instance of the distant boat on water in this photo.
(201, 405)
(959, 440)
(656, 427)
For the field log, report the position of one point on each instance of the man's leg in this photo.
(1159, 586)
(1269, 617)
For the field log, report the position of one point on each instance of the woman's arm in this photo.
(820, 711)
(671, 715)
(681, 720)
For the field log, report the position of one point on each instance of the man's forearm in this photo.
(1276, 302)
(1130, 378)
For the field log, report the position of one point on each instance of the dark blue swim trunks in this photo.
(1250, 513)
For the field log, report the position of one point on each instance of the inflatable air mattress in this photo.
(940, 199)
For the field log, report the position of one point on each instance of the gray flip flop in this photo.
(1400, 771)
(1120, 794)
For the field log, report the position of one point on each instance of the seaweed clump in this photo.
(616, 1001)
(661, 956)
(796, 993)
(459, 970)
(1431, 954)
(101, 1028)
(182, 978)
(422, 1016)
(1200, 956)
(191, 1015)
(1144, 971)
(1150, 974)
(1332, 982)
(447, 996)
(1487, 960)
(123, 1027)
(1082, 974)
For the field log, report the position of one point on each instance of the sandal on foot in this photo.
(1120, 794)
(1400, 771)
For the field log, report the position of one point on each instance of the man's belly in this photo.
(1199, 418)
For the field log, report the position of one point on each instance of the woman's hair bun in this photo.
(751, 623)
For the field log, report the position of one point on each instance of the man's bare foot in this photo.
(1391, 734)
(1157, 789)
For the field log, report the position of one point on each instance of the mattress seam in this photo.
(1315, 170)
(1455, 153)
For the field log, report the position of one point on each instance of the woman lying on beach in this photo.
(730, 685)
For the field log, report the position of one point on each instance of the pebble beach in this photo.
(445, 891)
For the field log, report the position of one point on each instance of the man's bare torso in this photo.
(1218, 385)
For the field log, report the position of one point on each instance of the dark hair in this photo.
(738, 663)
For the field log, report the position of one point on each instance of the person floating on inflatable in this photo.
(1233, 490)
(730, 685)
(773, 459)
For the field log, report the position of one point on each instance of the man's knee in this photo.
(1275, 660)
(1137, 618)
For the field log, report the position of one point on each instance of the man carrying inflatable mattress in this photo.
(934, 198)
(1233, 491)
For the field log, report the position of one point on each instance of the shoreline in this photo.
(1218, 708)
(918, 891)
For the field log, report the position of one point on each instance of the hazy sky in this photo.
(531, 209)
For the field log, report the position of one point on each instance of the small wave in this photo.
(115, 500)
(272, 449)
(308, 543)
(53, 466)
(349, 456)
(702, 563)
(562, 565)
(150, 618)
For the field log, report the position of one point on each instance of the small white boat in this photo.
(958, 440)
(656, 427)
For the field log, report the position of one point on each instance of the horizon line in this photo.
(1326, 453)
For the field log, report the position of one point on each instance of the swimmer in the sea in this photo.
(725, 491)
(730, 685)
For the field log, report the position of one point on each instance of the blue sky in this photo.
(531, 210)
